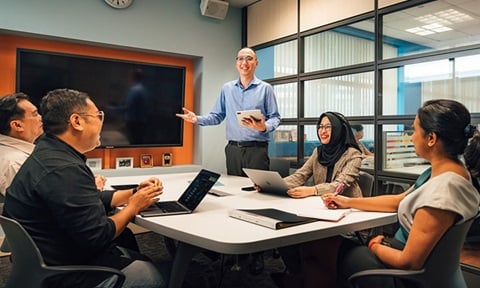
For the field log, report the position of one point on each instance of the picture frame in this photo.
(167, 159)
(124, 162)
(146, 160)
(94, 163)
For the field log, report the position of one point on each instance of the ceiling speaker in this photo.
(214, 8)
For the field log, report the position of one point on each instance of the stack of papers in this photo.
(278, 219)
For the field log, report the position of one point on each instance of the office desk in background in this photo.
(415, 169)
(210, 227)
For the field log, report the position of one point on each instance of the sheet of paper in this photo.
(324, 213)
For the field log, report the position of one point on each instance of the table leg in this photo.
(183, 257)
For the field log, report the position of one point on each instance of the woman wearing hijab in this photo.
(336, 160)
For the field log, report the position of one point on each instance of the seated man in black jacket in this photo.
(55, 198)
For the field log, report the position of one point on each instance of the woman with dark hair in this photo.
(442, 196)
(337, 160)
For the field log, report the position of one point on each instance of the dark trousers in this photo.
(254, 155)
(238, 157)
(355, 258)
(127, 239)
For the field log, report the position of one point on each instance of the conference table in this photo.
(209, 226)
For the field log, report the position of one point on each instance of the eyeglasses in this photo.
(100, 115)
(247, 58)
(326, 127)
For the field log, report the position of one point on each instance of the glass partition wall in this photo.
(377, 69)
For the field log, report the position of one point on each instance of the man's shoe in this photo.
(256, 264)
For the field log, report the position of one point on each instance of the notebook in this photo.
(270, 217)
(189, 200)
(269, 181)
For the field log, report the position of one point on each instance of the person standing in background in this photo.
(20, 126)
(358, 132)
(247, 142)
(136, 110)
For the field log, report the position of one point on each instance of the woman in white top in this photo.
(442, 196)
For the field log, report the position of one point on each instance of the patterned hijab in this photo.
(341, 138)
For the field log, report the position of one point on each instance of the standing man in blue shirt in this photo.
(247, 143)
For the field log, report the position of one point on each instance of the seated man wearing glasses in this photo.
(20, 126)
(55, 198)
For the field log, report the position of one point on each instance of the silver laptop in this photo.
(269, 181)
(189, 200)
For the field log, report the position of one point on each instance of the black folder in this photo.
(270, 217)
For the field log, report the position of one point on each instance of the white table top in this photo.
(210, 227)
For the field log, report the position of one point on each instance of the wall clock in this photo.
(119, 4)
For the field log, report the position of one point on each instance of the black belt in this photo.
(249, 143)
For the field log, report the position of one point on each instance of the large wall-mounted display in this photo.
(136, 114)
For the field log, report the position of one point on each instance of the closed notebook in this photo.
(325, 213)
(269, 217)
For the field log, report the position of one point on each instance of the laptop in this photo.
(270, 182)
(189, 200)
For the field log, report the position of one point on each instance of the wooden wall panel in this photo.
(180, 155)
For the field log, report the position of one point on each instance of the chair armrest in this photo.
(56, 270)
(394, 273)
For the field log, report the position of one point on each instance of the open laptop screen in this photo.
(198, 188)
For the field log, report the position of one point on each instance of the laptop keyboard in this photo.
(169, 206)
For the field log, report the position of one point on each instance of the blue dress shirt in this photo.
(234, 97)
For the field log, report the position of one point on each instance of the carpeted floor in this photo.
(203, 272)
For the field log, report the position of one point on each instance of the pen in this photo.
(338, 190)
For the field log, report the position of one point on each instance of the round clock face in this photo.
(119, 3)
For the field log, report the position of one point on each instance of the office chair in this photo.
(441, 269)
(28, 268)
(4, 247)
(473, 235)
(281, 165)
(366, 182)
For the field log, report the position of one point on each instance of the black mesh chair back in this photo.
(28, 267)
(366, 182)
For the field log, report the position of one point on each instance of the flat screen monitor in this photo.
(138, 113)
